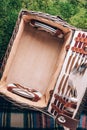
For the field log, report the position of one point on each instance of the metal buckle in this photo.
(61, 119)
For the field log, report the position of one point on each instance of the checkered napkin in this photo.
(13, 116)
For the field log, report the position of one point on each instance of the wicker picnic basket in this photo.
(44, 67)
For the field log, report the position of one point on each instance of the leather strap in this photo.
(68, 113)
(59, 98)
(71, 104)
(67, 121)
(65, 103)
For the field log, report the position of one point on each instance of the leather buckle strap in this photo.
(67, 121)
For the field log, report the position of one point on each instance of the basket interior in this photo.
(35, 60)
